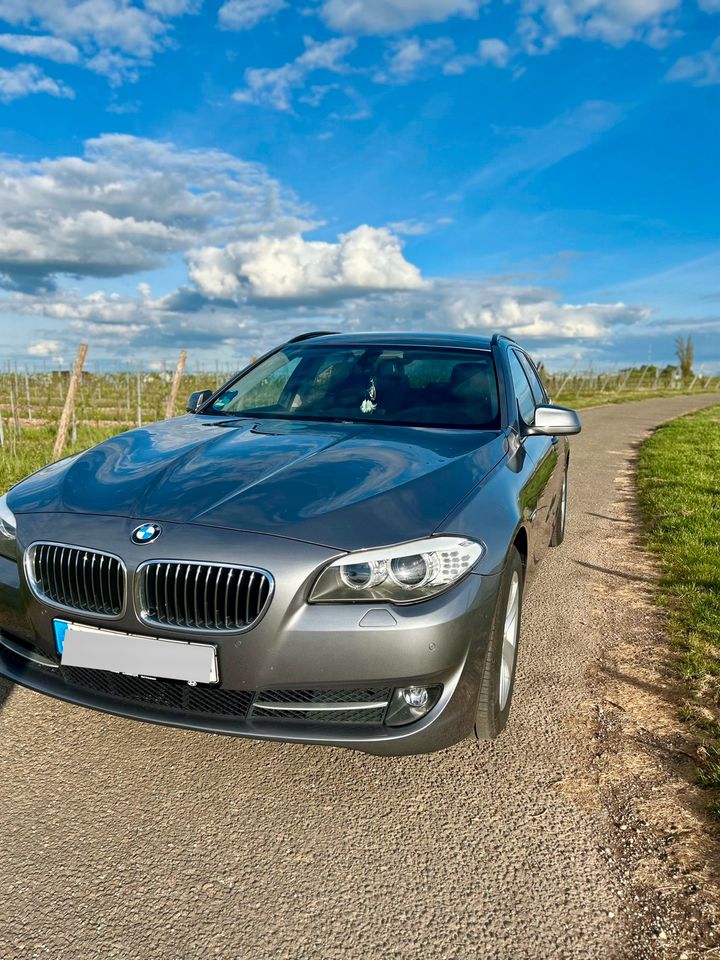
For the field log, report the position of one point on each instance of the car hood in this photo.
(341, 485)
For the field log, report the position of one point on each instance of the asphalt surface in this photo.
(122, 839)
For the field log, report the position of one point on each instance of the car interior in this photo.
(403, 386)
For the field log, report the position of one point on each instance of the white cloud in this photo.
(104, 23)
(487, 307)
(245, 14)
(128, 203)
(44, 348)
(117, 67)
(489, 50)
(102, 27)
(418, 228)
(49, 48)
(26, 79)
(701, 69)
(612, 21)
(390, 16)
(273, 86)
(492, 50)
(363, 261)
(112, 322)
(173, 8)
(405, 58)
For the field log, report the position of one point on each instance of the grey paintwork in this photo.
(289, 497)
(347, 486)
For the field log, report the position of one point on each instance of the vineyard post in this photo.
(562, 385)
(2, 432)
(175, 389)
(27, 396)
(642, 377)
(14, 411)
(138, 390)
(64, 424)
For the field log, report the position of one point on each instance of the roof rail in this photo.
(497, 337)
(314, 333)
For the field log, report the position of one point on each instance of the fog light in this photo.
(409, 704)
(415, 696)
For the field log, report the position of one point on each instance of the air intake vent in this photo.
(78, 579)
(202, 596)
(352, 705)
(168, 694)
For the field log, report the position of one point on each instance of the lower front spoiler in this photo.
(448, 722)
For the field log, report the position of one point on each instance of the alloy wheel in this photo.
(509, 642)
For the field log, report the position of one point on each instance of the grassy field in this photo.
(597, 398)
(107, 404)
(679, 487)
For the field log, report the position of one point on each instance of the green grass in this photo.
(106, 405)
(679, 488)
(596, 398)
(33, 449)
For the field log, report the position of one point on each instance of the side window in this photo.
(521, 385)
(539, 392)
(262, 387)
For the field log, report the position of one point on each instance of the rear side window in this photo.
(521, 385)
(538, 391)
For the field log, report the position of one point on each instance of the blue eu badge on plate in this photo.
(60, 628)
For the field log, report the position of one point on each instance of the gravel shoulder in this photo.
(126, 840)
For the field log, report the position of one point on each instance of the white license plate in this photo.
(81, 646)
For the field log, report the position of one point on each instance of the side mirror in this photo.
(197, 400)
(551, 421)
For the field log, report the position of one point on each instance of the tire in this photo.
(496, 688)
(558, 534)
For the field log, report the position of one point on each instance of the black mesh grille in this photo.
(321, 716)
(170, 694)
(80, 579)
(202, 596)
(334, 697)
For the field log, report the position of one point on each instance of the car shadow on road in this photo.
(659, 688)
(615, 573)
(604, 516)
(6, 688)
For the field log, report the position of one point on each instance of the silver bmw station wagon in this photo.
(333, 548)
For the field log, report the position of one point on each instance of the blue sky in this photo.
(218, 175)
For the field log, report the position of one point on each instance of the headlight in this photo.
(7, 521)
(402, 574)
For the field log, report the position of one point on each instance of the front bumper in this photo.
(295, 646)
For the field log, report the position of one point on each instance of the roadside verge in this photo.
(657, 772)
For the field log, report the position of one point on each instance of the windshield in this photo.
(409, 386)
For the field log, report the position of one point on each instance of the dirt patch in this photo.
(665, 847)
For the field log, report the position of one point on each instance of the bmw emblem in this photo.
(146, 533)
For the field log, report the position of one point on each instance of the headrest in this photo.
(391, 367)
(463, 371)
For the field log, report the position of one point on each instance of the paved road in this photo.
(126, 840)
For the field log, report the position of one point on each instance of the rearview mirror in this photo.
(196, 400)
(552, 421)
